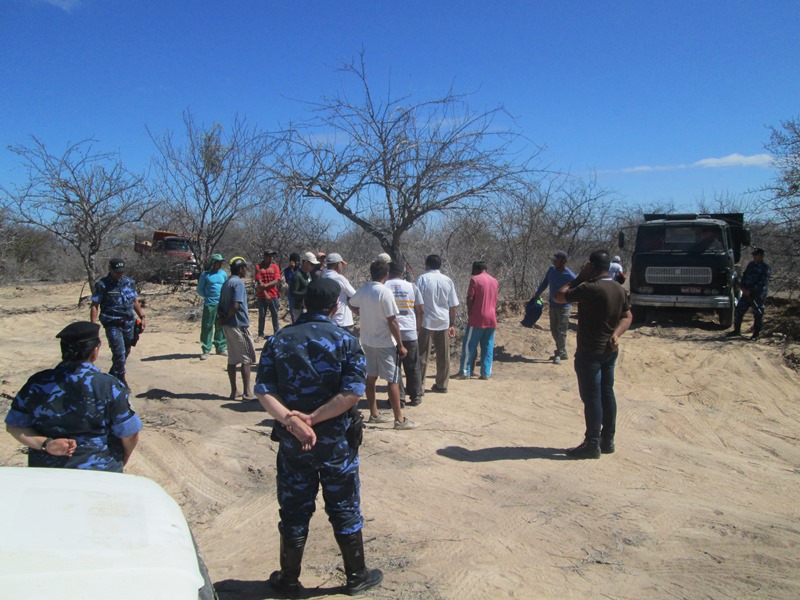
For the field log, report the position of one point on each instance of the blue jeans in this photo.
(474, 336)
(264, 305)
(596, 387)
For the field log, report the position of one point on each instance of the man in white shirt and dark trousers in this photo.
(409, 303)
(343, 316)
(439, 302)
(382, 343)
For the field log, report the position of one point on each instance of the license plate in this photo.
(690, 290)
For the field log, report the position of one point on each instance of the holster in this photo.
(355, 433)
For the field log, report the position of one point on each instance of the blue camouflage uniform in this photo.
(755, 279)
(75, 400)
(116, 314)
(304, 365)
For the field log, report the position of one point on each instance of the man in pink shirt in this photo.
(482, 321)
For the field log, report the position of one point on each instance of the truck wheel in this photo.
(726, 315)
(638, 313)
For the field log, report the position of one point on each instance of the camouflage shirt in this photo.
(307, 363)
(77, 401)
(115, 298)
(756, 279)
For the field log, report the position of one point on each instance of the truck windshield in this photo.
(181, 245)
(694, 239)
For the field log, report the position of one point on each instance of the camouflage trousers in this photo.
(331, 464)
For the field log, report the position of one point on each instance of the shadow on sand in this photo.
(235, 589)
(502, 453)
(159, 394)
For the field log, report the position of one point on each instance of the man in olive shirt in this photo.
(603, 316)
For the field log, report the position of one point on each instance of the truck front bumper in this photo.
(702, 302)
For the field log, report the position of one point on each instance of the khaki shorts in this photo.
(382, 362)
(241, 350)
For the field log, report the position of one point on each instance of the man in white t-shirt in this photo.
(343, 316)
(382, 343)
(439, 302)
(409, 303)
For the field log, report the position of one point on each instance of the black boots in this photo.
(607, 445)
(286, 581)
(359, 577)
(588, 449)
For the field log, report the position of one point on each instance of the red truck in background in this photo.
(174, 247)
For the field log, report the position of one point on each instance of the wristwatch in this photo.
(44, 444)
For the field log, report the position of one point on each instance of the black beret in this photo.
(80, 331)
(758, 251)
(322, 294)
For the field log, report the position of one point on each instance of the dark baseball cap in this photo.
(322, 294)
(117, 265)
(270, 252)
(79, 331)
(758, 251)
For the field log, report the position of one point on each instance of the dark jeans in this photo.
(596, 386)
(413, 386)
(265, 304)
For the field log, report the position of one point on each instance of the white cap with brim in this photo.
(309, 256)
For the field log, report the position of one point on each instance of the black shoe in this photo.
(734, 333)
(607, 446)
(586, 450)
(438, 390)
(415, 402)
(361, 582)
(755, 335)
(359, 577)
(291, 589)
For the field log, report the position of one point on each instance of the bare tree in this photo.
(387, 164)
(212, 179)
(784, 200)
(82, 197)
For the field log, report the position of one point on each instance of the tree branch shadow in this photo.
(159, 394)
(169, 357)
(236, 589)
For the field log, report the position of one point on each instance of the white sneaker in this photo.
(204, 356)
(380, 418)
(405, 424)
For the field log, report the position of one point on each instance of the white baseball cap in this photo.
(309, 256)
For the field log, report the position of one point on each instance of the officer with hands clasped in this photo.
(74, 416)
(310, 378)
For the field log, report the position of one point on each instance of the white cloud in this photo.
(65, 5)
(732, 160)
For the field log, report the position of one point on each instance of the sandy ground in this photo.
(700, 500)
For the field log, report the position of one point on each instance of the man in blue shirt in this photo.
(310, 379)
(209, 286)
(232, 315)
(557, 276)
(116, 302)
(74, 416)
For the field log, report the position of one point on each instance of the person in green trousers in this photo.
(209, 286)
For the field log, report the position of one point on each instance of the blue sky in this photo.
(665, 101)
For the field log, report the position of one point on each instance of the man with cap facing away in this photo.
(74, 416)
(232, 314)
(310, 378)
(116, 302)
(481, 321)
(208, 287)
(267, 277)
(300, 280)
(343, 316)
(557, 276)
(754, 286)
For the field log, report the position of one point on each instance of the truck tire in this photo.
(726, 314)
(639, 313)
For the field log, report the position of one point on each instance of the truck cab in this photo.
(687, 261)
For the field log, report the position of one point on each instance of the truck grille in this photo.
(679, 275)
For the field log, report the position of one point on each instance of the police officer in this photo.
(754, 285)
(310, 378)
(115, 300)
(74, 416)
